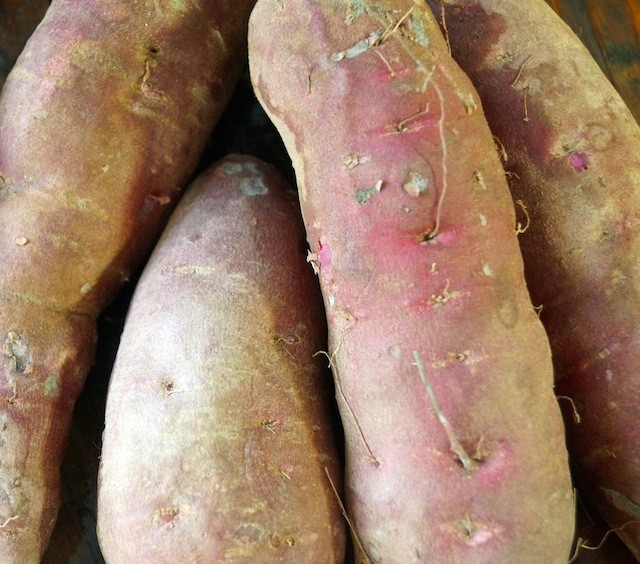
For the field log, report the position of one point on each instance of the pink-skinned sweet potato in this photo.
(218, 436)
(18, 19)
(102, 121)
(573, 158)
(454, 441)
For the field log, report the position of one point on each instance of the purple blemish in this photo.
(579, 161)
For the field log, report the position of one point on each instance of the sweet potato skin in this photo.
(223, 389)
(405, 204)
(574, 162)
(18, 19)
(101, 124)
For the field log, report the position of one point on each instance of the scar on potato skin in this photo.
(18, 351)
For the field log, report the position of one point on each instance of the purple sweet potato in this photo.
(454, 441)
(102, 121)
(18, 19)
(218, 437)
(572, 151)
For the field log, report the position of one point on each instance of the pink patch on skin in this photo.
(447, 237)
(493, 468)
(324, 255)
(579, 161)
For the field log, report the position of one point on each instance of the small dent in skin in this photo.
(352, 160)
(166, 516)
(168, 386)
(479, 177)
(394, 351)
(17, 350)
(289, 540)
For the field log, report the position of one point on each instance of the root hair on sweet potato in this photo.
(519, 227)
(581, 544)
(338, 383)
(576, 414)
(524, 64)
(352, 528)
(467, 462)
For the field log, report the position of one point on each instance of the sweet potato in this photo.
(454, 441)
(102, 121)
(222, 388)
(18, 19)
(572, 151)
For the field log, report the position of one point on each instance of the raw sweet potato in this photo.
(572, 151)
(102, 121)
(454, 441)
(18, 19)
(222, 388)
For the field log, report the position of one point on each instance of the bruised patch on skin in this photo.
(252, 181)
(51, 386)
(579, 161)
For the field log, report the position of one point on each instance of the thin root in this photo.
(519, 228)
(515, 81)
(443, 20)
(581, 543)
(392, 73)
(8, 520)
(526, 103)
(338, 382)
(502, 151)
(468, 463)
(403, 125)
(433, 233)
(346, 517)
(576, 415)
(390, 31)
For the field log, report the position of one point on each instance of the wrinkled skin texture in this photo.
(102, 121)
(575, 164)
(412, 231)
(222, 388)
(18, 19)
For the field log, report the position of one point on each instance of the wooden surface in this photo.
(609, 28)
